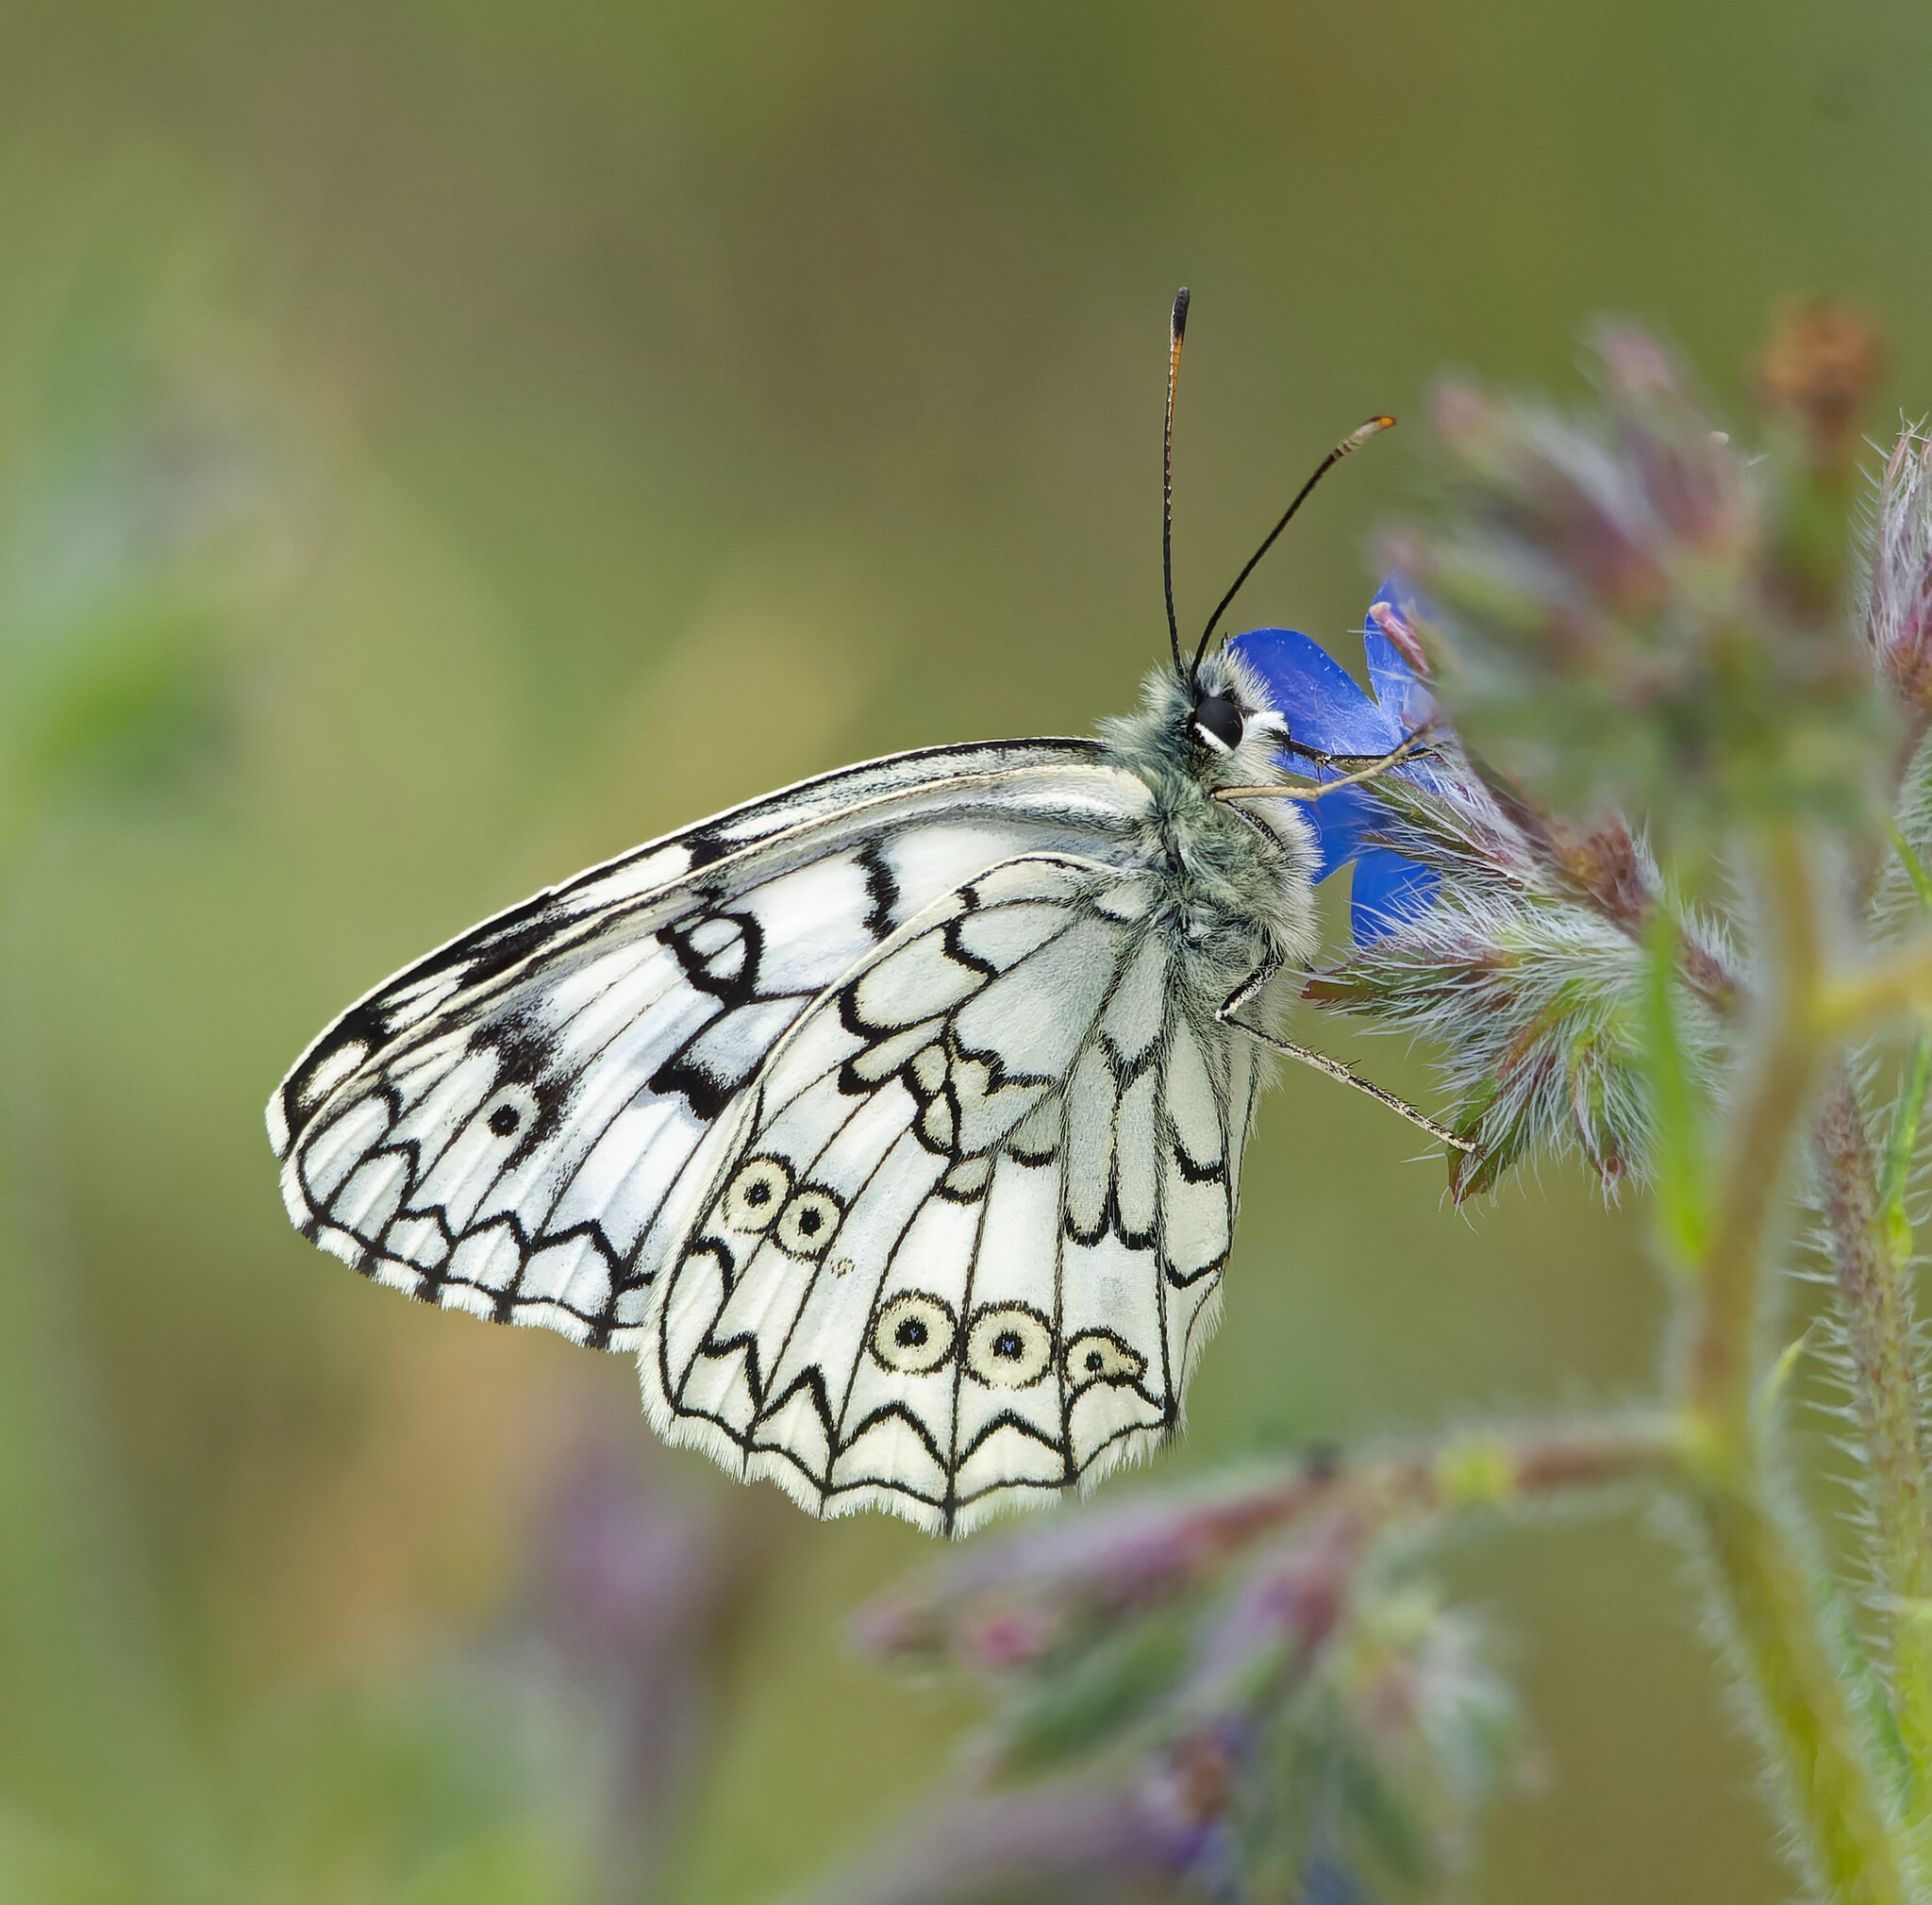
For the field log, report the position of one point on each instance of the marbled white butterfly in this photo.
(894, 1120)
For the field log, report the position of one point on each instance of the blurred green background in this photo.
(443, 445)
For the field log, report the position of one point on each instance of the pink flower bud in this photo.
(1406, 642)
(1898, 592)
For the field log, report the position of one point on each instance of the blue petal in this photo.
(1390, 675)
(1387, 890)
(1324, 706)
(1327, 709)
(1393, 680)
(1338, 821)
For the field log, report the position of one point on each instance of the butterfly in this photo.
(893, 1121)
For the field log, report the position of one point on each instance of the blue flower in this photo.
(1326, 710)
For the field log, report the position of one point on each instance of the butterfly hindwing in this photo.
(965, 1239)
(519, 1124)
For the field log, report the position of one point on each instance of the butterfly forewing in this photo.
(518, 1125)
(967, 1239)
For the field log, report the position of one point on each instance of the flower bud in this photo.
(1897, 606)
(1821, 367)
(1637, 616)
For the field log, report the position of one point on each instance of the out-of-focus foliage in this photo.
(115, 488)
(1641, 610)
(140, 511)
(1278, 1718)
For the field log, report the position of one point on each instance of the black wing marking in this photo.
(967, 1244)
(507, 1126)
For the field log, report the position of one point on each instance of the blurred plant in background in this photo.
(131, 499)
(545, 1758)
(147, 511)
(1667, 901)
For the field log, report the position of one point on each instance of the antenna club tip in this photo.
(1374, 428)
(1179, 326)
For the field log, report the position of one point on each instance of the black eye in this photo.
(1218, 722)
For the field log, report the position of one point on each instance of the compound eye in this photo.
(1218, 722)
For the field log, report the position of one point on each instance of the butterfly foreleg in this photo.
(1257, 983)
(1372, 768)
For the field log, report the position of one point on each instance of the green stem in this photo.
(1724, 1320)
(1902, 1143)
(1764, 1587)
(1681, 1172)
(1872, 1262)
(1768, 1595)
(1891, 982)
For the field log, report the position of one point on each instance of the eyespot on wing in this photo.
(915, 1334)
(1100, 1356)
(809, 1222)
(1009, 1346)
(756, 1193)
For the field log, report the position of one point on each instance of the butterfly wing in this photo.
(965, 1237)
(518, 1125)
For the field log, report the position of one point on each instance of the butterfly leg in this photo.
(1320, 1061)
(1323, 758)
(1375, 766)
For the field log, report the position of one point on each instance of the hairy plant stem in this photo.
(1871, 1257)
(1726, 1288)
(1769, 1605)
(1764, 1585)
(1513, 1465)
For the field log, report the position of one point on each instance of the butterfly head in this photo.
(1218, 722)
(1226, 710)
(1245, 868)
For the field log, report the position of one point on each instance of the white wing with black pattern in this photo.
(520, 1124)
(962, 1241)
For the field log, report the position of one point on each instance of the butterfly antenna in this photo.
(1177, 332)
(1354, 441)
